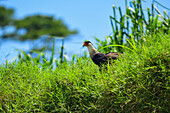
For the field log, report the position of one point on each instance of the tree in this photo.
(33, 28)
(6, 18)
(38, 25)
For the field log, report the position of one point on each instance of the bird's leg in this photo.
(100, 69)
(103, 68)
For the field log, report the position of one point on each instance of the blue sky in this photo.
(89, 17)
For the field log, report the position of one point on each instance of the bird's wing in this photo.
(99, 59)
(112, 55)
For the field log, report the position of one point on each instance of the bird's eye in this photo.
(86, 43)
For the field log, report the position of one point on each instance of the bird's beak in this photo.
(83, 44)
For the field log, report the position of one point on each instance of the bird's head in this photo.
(86, 43)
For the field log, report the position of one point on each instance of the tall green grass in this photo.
(132, 25)
(137, 82)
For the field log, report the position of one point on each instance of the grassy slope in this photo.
(138, 82)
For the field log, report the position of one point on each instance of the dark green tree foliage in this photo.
(6, 16)
(39, 25)
(6, 19)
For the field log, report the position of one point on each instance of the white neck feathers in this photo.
(92, 50)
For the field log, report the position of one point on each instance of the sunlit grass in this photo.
(137, 82)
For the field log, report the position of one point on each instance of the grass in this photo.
(138, 82)
(131, 25)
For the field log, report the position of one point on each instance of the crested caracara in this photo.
(100, 59)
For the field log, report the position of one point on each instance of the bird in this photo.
(101, 59)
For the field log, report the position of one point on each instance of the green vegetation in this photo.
(34, 27)
(138, 82)
(6, 16)
(132, 25)
(43, 25)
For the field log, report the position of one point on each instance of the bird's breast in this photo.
(99, 59)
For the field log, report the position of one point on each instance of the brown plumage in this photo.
(100, 58)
